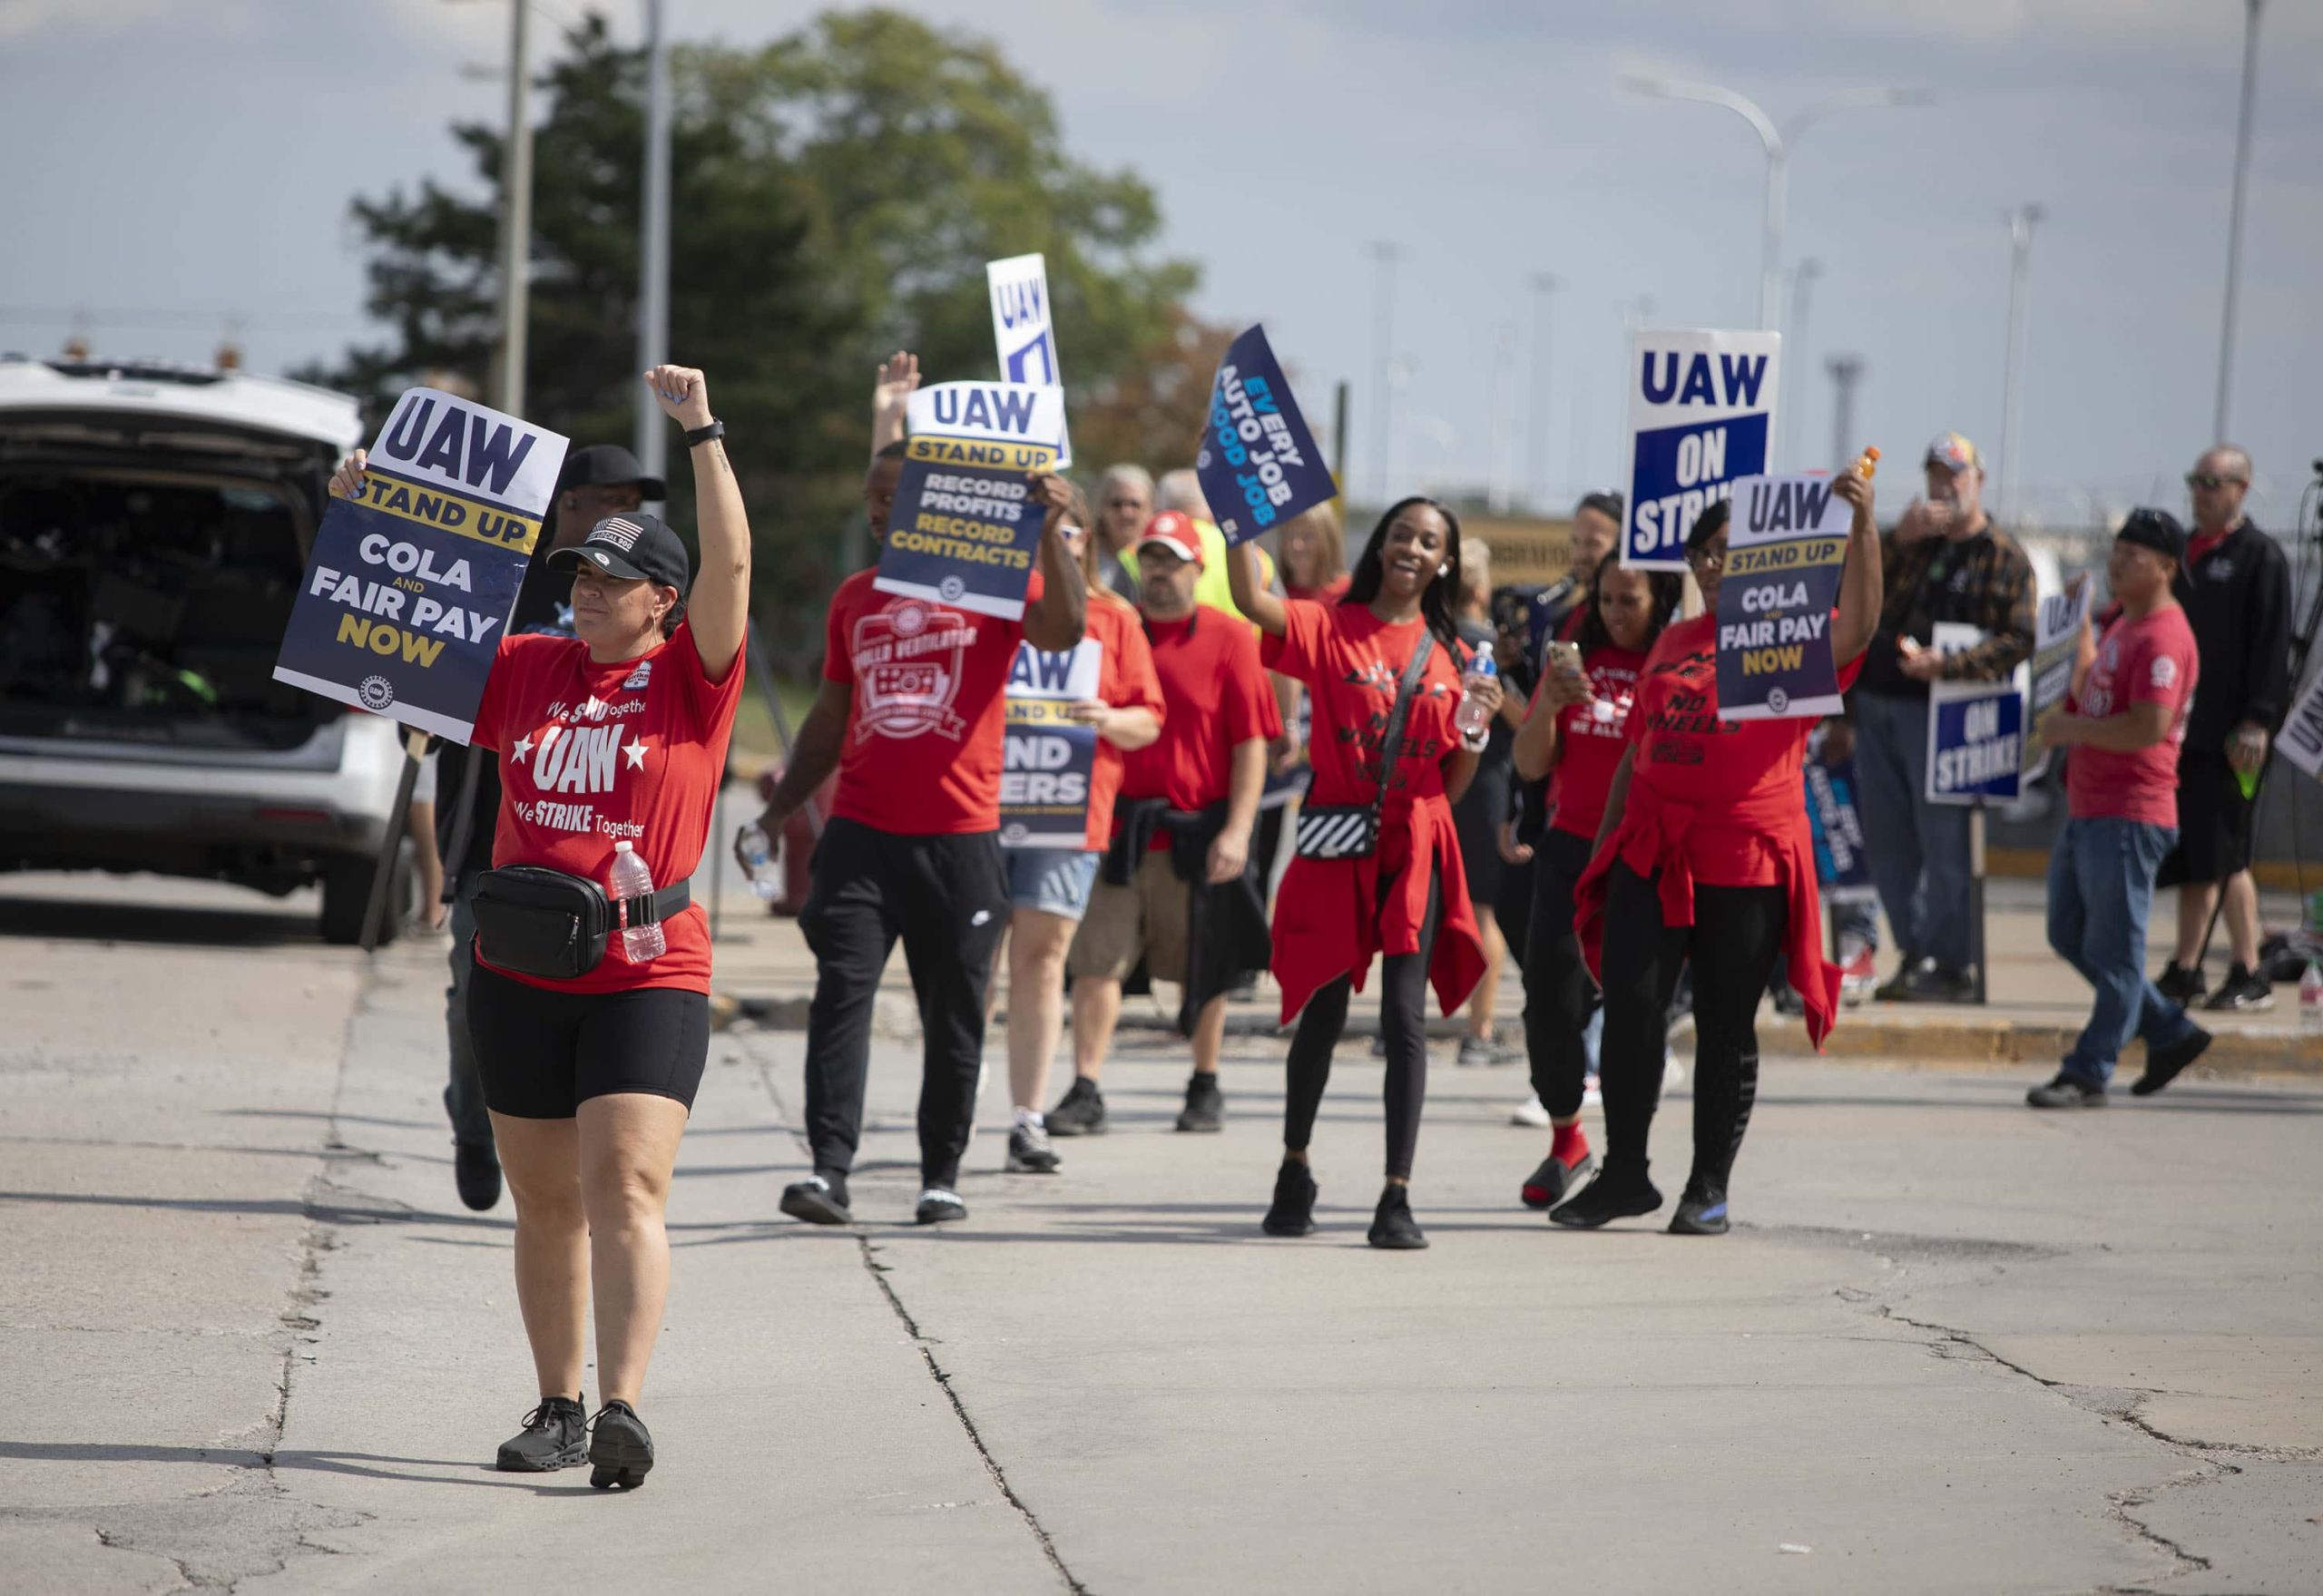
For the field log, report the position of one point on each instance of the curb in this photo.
(2007, 1041)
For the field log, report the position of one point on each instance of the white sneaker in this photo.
(1590, 1097)
(1673, 1070)
(1531, 1113)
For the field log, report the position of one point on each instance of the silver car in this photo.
(154, 522)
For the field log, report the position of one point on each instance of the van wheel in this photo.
(347, 895)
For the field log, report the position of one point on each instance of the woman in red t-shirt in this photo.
(1575, 735)
(613, 739)
(1406, 898)
(1705, 853)
(1311, 552)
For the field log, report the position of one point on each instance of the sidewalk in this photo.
(2036, 1005)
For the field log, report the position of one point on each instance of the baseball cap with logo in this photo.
(2154, 529)
(1175, 531)
(1953, 453)
(638, 547)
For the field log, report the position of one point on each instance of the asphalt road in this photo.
(252, 1341)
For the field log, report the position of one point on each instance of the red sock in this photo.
(1570, 1146)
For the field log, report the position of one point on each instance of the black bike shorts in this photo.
(542, 1054)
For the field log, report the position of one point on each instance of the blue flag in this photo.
(1258, 464)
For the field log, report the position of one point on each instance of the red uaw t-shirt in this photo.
(1125, 681)
(1215, 696)
(1353, 664)
(592, 755)
(923, 750)
(2150, 661)
(1689, 756)
(1590, 738)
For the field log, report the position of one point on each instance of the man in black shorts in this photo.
(2235, 585)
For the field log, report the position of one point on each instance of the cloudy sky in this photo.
(180, 163)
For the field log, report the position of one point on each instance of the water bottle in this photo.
(1473, 716)
(633, 878)
(758, 857)
(2311, 1000)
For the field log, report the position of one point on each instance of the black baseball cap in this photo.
(2154, 529)
(608, 465)
(637, 548)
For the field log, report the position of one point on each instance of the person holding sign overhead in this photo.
(591, 1041)
(1705, 853)
(1377, 867)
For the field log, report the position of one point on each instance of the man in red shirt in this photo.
(2124, 721)
(911, 713)
(1218, 714)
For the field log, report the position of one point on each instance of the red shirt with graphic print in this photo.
(1216, 697)
(2150, 661)
(592, 755)
(1353, 663)
(923, 749)
(1590, 738)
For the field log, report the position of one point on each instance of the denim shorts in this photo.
(1054, 880)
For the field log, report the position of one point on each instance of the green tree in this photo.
(834, 196)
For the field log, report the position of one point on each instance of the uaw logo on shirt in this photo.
(908, 659)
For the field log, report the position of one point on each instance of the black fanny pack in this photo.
(1351, 831)
(535, 921)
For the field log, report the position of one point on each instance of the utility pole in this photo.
(1794, 348)
(2020, 259)
(653, 246)
(1544, 287)
(1846, 370)
(1383, 335)
(515, 222)
(2234, 216)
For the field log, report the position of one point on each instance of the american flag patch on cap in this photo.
(622, 534)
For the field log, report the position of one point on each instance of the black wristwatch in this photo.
(697, 436)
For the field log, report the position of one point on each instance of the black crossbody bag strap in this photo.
(1392, 742)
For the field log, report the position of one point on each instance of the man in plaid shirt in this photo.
(1944, 562)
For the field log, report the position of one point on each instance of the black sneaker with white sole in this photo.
(1029, 1152)
(621, 1451)
(2243, 992)
(1081, 1112)
(1205, 1107)
(2066, 1093)
(819, 1200)
(1293, 1213)
(556, 1436)
(2165, 1064)
(939, 1207)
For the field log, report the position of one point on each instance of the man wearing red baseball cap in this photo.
(1162, 879)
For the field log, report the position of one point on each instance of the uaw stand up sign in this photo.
(1785, 550)
(411, 586)
(1701, 416)
(964, 527)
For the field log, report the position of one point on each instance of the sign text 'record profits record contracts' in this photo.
(1785, 550)
(411, 586)
(1024, 330)
(965, 528)
(1701, 415)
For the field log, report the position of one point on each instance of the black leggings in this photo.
(1403, 1023)
(1736, 935)
(1559, 995)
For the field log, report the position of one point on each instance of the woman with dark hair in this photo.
(1575, 735)
(1377, 866)
(1705, 853)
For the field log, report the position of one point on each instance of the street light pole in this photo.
(1383, 331)
(1802, 280)
(1778, 142)
(2020, 259)
(654, 245)
(515, 222)
(1544, 287)
(1846, 370)
(2234, 218)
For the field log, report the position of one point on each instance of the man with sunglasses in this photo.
(2235, 587)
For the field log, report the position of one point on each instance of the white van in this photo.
(154, 523)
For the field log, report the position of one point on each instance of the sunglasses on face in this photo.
(2206, 479)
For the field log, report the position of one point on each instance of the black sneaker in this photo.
(1293, 1213)
(1082, 1113)
(2164, 1064)
(1393, 1228)
(2065, 1093)
(1699, 1213)
(819, 1200)
(2243, 992)
(939, 1207)
(2179, 985)
(1555, 1181)
(556, 1436)
(1788, 1003)
(1935, 982)
(1610, 1196)
(475, 1170)
(1029, 1152)
(1205, 1107)
(621, 1452)
(1897, 987)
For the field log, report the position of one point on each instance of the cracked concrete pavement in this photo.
(1953, 1346)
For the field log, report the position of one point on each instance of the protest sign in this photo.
(1258, 463)
(409, 587)
(965, 528)
(1048, 757)
(2056, 639)
(1024, 332)
(1976, 730)
(1785, 550)
(2301, 741)
(1840, 865)
(1701, 416)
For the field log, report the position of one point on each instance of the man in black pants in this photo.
(911, 713)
